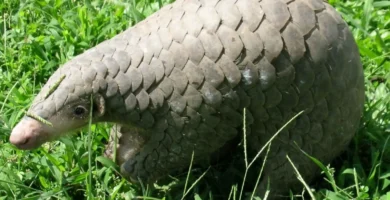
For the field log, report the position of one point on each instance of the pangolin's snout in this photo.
(25, 133)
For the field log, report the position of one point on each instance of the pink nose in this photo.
(25, 133)
(19, 138)
(19, 135)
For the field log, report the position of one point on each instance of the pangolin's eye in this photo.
(79, 111)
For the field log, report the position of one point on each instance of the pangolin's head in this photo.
(64, 104)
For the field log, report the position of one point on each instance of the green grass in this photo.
(39, 35)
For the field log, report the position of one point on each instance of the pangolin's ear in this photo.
(98, 105)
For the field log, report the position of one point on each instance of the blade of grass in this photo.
(9, 93)
(274, 136)
(367, 9)
(324, 169)
(262, 149)
(381, 161)
(89, 184)
(233, 192)
(356, 182)
(244, 131)
(188, 174)
(196, 181)
(300, 178)
(20, 185)
(381, 4)
(260, 173)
